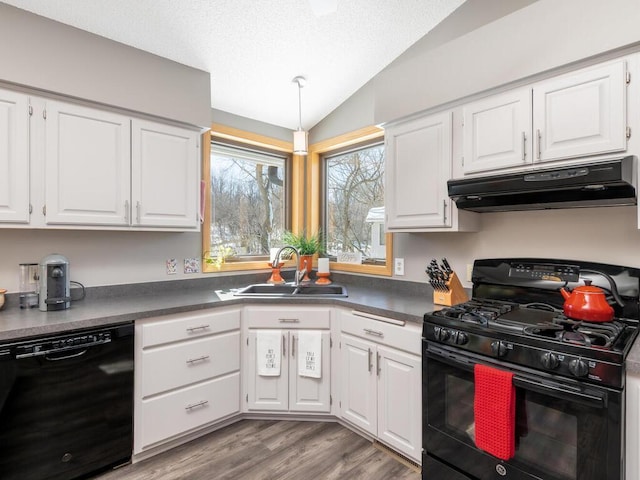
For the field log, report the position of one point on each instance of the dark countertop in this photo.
(406, 301)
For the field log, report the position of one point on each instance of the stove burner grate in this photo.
(597, 335)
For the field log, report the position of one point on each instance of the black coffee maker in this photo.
(55, 288)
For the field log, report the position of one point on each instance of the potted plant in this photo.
(308, 246)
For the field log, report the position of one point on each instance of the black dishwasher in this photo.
(66, 404)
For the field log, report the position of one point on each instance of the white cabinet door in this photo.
(497, 132)
(309, 394)
(581, 113)
(418, 165)
(632, 458)
(358, 402)
(14, 157)
(400, 401)
(165, 189)
(87, 171)
(267, 392)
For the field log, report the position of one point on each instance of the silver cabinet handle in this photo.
(293, 346)
(284, 346)
(126, 212)
(373, 332)
(524, 146)
(378, 363)
(539, 135)
(199, 327)
(138, 212)
(444, 211)
(370, 365)
(191, 406)
(289, 320)
(199, 359)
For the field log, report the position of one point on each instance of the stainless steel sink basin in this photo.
(288, 290)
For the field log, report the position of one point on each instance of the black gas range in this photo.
(515, 323)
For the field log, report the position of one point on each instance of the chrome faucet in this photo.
(299, 273)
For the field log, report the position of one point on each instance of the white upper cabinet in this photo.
(14, 157)
(165, 178)
(87, 167)
(497, 132)
(575, 115)
(583, 113)
(418, 165)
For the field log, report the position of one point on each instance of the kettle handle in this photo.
(612, 282)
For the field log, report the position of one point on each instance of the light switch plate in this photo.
(398, 266)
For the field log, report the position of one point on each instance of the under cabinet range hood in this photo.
(605, 183)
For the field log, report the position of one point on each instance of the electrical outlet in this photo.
(398, 266)
(469, 271)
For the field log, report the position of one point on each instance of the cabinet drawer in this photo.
(407, 337)
(172, 366)
(169, 415)
(296, 317)
(174, 328)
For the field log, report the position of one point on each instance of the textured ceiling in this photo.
(254, 48)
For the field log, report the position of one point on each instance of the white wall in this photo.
(542, 36)
(46, 55)
(607, 235)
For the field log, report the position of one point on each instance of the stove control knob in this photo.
(441, 334)
(549, 360)
(460, 338)
(499, 348)
(578, 367)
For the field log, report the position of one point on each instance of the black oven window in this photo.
(555, 438)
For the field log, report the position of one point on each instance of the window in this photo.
(354, 203)
(247, 180)
(346, 199)
(248, 200)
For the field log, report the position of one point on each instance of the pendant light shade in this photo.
(300, 137)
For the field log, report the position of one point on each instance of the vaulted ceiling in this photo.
(254, 48)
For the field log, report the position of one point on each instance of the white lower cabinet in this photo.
(632, 444)
(288, 391)
(187, 374)
(381, 378)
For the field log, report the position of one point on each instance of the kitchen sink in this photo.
(288, 290)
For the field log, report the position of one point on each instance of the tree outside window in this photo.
(354, 203)
(248, 200)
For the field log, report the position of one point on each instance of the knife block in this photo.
(454, 295)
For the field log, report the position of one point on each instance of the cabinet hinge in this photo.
(44, 210)
(247, 341)
(330, 342)
(30, 110)
(330, 400)
(44, 114)
(628, 78)
(628, 133)
(30, 209)
(463, 161)
(246, 398)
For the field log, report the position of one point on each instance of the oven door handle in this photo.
(591, 398)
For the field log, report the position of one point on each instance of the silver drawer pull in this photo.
(289, 320)
(199, 327)
(373, 332)
(201, 403)
(199, 359)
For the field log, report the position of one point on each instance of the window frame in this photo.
(315, 196)
(242, 138)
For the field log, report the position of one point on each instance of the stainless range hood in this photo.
(592, 185)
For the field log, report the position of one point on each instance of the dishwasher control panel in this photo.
(58, 344)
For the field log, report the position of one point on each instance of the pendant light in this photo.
(300, 137)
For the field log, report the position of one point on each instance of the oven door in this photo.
(564, 430)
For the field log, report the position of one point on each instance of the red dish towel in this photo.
(494, 408)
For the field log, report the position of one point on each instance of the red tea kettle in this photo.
(587, 303)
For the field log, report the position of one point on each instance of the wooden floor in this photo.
(270, 450)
